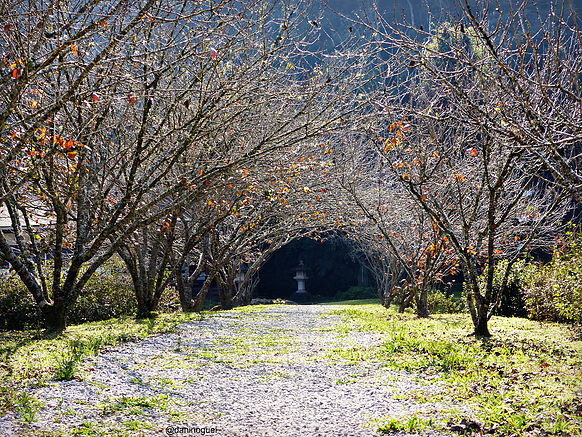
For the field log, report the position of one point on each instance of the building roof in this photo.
(37, 219)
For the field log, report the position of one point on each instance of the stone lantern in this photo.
(301, 276)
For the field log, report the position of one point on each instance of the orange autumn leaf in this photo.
(95, 97)
(16, 73)
(474, 151)
(59, 140)
(74, 49)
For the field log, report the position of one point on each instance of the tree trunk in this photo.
(226, 303)
(422, 303)
(55, 316)
(407, 296)
(147, 300)
(244, 294)
(482, 310)
(201, 296)
(481, 327)
(478, 305)
(145, 307)
(388, 298)
(184, 291)
(225, 292)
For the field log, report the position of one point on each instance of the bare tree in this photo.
(538, 84)
(385, 269)
(404, 246)
(50, 119)
(142, 103)
(450, 148)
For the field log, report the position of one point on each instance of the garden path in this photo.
(275, 371)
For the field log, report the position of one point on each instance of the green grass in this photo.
(33, 355)
(27, 407)
(246, 347)
(354, 302)
(134, 405)
(30, 358)
(411, 424)
(526, 379)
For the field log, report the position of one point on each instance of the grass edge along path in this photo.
(30, 358)
(524, 381)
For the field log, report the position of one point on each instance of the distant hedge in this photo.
(109, 293)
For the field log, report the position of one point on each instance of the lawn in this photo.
(525, 380)
(30, 358)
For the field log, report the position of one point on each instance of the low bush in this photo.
(109, 293)
(440, 303)
(512, 302)
(357, 292)
(554, 291)
(17, 307)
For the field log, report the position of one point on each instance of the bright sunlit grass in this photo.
(526, 379)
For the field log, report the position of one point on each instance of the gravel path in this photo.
(281, 371)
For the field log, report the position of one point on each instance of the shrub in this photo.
(17, 307)
(357, 292)
(512, 302)
(554, 291)
(440, 302)
(109, 293)
(539, 295)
